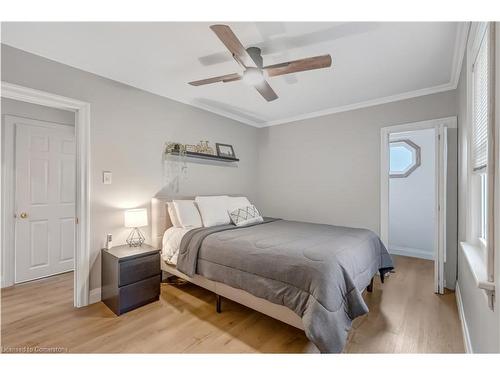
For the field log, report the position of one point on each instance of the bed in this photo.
(310, 276)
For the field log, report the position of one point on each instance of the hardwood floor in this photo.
(405, 317)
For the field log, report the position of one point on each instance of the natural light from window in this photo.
(404, 158)
(400, 158)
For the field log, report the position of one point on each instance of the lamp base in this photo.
(135, 238)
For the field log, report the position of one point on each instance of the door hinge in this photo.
(77, 221)
(439, 137)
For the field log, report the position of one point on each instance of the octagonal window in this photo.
(404, 158)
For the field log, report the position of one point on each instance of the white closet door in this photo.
(45, 199)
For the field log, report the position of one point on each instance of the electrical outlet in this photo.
(107, 178)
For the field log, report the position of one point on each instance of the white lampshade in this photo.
(136, 218)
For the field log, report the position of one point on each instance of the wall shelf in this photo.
(198, 155)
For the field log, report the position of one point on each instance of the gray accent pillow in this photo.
(245, 215)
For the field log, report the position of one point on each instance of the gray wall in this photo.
(128, 130)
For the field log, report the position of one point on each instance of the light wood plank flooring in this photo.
(405, 317)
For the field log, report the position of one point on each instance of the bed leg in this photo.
(369, 288)
(382, 276)
(218, 303)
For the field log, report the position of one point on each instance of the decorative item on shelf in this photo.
(224, 150)
(175, 166)
(177, 155)
(135, 219)
(204, 148)
(210, 150)
(175, 147)
(191, 148)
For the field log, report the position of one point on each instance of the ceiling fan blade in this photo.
(310, 63)
(266, 91)
(234, 46)
(225, 78)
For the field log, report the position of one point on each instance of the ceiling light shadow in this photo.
(284, 43)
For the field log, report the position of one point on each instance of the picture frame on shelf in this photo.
(225, 150)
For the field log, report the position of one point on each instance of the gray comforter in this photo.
(316, 270)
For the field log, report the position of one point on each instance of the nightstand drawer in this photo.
(139, 293)
(139, 269)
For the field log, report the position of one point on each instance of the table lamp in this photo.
(135, 219)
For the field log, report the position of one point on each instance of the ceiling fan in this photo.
(254, 73)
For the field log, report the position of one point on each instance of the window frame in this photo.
(416, 155)
(483, 215)
(478, 210)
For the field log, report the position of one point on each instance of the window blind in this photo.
(480, 108)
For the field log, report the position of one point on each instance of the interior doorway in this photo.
(412, 193)
(44, 190)
(81, 116)
(414, 160)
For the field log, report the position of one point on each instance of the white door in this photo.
(45, 199)
(441, 186)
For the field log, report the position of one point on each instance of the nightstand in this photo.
(131, 277)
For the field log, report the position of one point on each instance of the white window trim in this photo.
(476, 250)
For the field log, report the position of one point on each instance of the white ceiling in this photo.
(373, 62)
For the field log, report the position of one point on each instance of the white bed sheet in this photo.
(171, 243)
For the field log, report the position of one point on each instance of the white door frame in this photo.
(441, 169)
(82, 206)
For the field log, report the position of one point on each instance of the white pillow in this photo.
(237, 202)
(187, 213)
(245, 215)
(173, 215)
(213, 210)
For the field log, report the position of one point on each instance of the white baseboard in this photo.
(6, 284)
(410, 252)
(461, 314)
(94, 295)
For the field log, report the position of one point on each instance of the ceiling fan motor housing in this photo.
(256, 55)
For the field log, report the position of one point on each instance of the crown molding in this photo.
(452, 85)
(221, 112)
(369, 103)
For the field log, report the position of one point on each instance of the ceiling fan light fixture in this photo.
(254, 72)
(253, 76)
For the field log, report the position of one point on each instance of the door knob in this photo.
(23, 215)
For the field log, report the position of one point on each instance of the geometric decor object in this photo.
(404, 158)
(135, 238)
(135, 219)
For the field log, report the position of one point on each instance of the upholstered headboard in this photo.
(160, 220)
